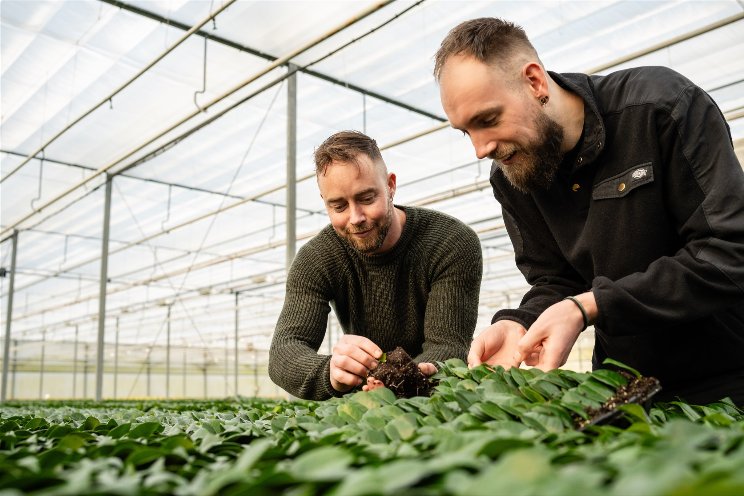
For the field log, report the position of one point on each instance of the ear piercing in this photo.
(544, 100)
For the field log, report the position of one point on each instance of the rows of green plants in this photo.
(483, 431)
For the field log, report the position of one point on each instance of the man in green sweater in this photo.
(395, 276)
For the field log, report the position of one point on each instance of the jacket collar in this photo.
(593, 141)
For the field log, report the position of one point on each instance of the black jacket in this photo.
(655, 228)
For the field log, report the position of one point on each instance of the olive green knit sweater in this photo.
(421, 295)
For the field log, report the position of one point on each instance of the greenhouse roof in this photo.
(184, 105)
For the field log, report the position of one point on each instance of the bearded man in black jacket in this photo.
(624, 201)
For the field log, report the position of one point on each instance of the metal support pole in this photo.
(116, 358)
(237, 321)
(291, 164)
(227, 353)
(149, 367)
(74, 363)
(85, 371)
(41, 367)
(204, 369)
(184, 371)
(102, 290)
(167, 353)
(9, 315)
(15, 369)
(255, 372)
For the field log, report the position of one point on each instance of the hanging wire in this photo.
(41, 177)
(168, 209)
(204, 77)
(64, 254)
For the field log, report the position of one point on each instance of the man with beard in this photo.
(624, 201)
(395, 276)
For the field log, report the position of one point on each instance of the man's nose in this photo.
(357, 214)
(484, 146)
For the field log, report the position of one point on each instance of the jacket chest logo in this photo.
(639, 173)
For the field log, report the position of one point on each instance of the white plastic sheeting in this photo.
(198, 212)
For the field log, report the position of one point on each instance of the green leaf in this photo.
(324, 464)
(610, 377)
(144, 455)
(145, 429)
(71, 441)
(119, 430)
(610, 361)
(58, 431)
(402, 427)
(90, 424)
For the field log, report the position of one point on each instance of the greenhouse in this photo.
(157, 181)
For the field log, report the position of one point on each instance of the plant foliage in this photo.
(483, 431)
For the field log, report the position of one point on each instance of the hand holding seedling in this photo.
(353, 357)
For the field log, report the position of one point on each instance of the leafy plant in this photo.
(481, 430)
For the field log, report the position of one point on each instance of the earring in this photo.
(544, 100)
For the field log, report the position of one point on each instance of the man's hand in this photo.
(548, 342)
(425, 367)
(353, 357)
(497, 345)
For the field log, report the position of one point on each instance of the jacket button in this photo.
(575, 187)
(621, 187)
(579, 160)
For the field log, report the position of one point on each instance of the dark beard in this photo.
(541, 160)
(371, 245)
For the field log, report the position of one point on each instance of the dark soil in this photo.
(638, 390)
(402, 376)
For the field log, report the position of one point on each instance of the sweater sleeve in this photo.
(705, 197)
(294, 362)
(452, 306)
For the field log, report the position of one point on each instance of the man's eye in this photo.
(339, 208)
(367, 200)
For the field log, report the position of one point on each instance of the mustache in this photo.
(500, 155)
(359, 229)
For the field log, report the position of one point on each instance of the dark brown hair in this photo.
(489, 39)
(345, 146)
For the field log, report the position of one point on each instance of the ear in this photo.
(391, 182)
(535, 76)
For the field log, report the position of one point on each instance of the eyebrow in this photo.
(356, 196)
(489, 112)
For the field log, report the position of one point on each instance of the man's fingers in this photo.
(427, 368)
(476, 353)
(356, 354)
(529, 344)
(359, 349)
(347, 364)
(365, 344)
(339, 376)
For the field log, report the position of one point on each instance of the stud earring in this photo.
(544, 100)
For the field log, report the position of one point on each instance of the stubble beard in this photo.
(373, 243)
(538, 163)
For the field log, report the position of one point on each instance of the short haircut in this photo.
(490, 40)
(345, 146)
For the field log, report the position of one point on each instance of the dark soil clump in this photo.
(638, 390)
(402, 376)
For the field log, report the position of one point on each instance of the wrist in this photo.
(584, 315)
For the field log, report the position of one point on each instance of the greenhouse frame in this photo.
(157, 171)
